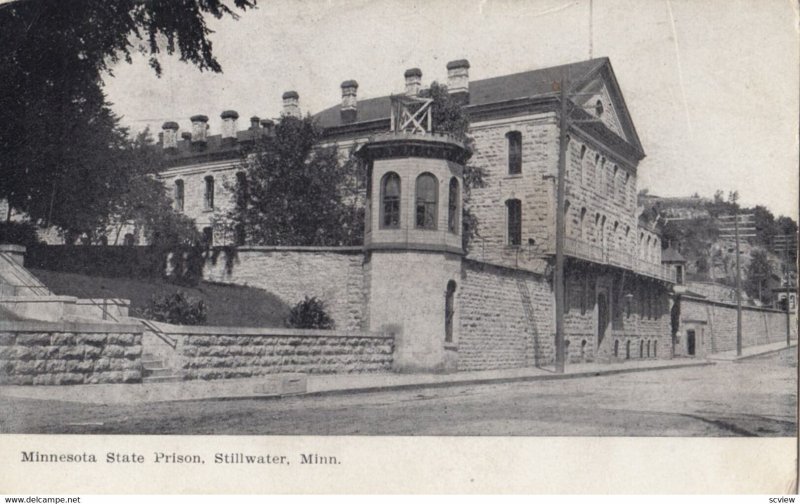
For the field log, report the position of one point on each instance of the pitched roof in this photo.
(481, 92)
(671, 255)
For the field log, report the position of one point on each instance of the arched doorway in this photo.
(602, 317)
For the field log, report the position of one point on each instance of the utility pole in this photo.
(784, 243)
(747, 230)
(738, 280)
(561, 228)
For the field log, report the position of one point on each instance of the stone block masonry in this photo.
(333, 274)
(209, 353)
(60, 353)
(506, 318)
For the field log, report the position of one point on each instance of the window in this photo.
(128, 240)
(239, 234)
(427, 191)
(598, 108)
(628, 349)
(209, 194)
(583, 223)
(179, 195)
(208, 236)
(581, 168)
(368, 216)
(616, 348)
(648, 349)
(449, 311)
(452, 207)
(514, 152)
(612, 187)
(641, 349)
(514, 220)
(390, 201)
(655, 349)
(241, 189)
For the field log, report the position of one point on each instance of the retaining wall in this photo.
(233, 352)
(760, 326)
(64, 353)
(333, 274)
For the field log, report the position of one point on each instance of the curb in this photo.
(768, 352)
(500, 380)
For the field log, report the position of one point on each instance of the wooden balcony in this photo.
(617, 258)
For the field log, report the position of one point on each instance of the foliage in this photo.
(176, 308)
(756, 283)
(448, 116)
(18, 233)
(309, 314)
(64, 152)
(297, 191)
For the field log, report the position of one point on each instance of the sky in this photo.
(711, 85)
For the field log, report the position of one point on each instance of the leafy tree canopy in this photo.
(64, 152)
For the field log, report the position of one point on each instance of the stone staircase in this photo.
(155, 369)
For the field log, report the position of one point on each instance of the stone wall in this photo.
(62, 353)
(506, 318)
(210, 353)
(333, 274)
(715, 326)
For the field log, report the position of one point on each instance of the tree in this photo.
(448, 116)
(294, 190)
(756, 285)
(62, 145)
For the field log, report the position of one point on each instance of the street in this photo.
(755, 397)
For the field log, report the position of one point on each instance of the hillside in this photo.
(227, 305)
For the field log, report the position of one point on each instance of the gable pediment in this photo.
(598, 93)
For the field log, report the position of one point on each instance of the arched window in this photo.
(449, 311)
(241, 189)
(179, 195)
(567, 226)
(208, 236)
(240, 236)
(655, 348)
(598, 108)
(581, 167)
(514, 152)
(390, 201)
(514, 221)
(583, 223)
(583, 350)
(641, 349)
(209, 193)
(427, 201)
(648, 349)
(452, 207)
(616, 348)
(612, 187)
(628, 349)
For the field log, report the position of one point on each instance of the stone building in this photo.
(449, 309)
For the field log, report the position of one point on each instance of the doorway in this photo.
(602, 317)
(690, 342)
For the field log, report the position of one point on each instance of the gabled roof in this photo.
(530, 84)
(671, 255)
(481, 92)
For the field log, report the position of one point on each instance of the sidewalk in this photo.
(750, 352)
(318, 385)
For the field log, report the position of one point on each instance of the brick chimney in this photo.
(458, 80)
(349, 101)
(229, 118)
(291, 104)
(169, 136)
(199, 129)
(413, 81)
(268, 125)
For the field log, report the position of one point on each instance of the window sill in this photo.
(513, 176)
(208, 210)
(451, 346)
